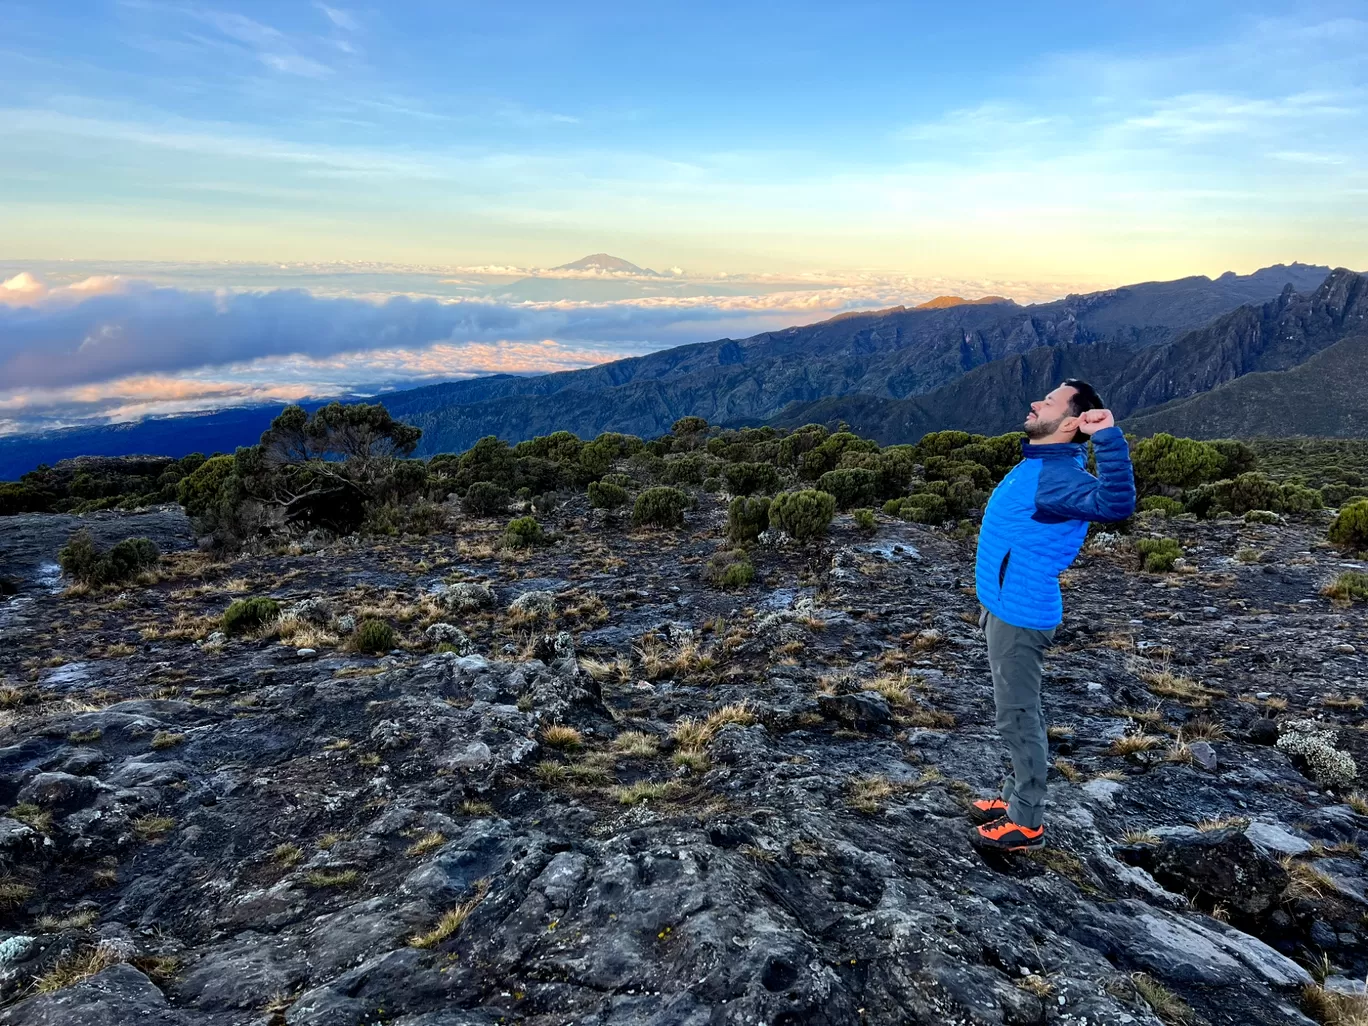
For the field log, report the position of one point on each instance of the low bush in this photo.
(1348, 587)
(749, 478)
(712, 485)
(485, 498)
(523, 533)
(1349, 529)
(924, 508)
(1300, 499)
(82, 561)
(1262, 516)
(250, 614)
(865, 522)
(855, 486)
(660, 507)
(1169, 507)
(606, 495)
(803, 515)
(1158, 555)
(374, 637)
(730, 570)
(747, 518)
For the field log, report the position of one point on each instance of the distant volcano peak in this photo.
(605, 263)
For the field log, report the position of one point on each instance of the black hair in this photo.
(1085, 397)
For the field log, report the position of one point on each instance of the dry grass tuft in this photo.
(153, 828)
(1133, 743)
(645, 791)
(338, 878)
(474, 808)
(13, 893)
(868, 794)
(1167, 684)
(1067, 770)
(1335, 1009)
(562, 737)
(1166, 1004)
(287, 854)
(1306, 881)
(1207, 826)
(1140, 837)
(1359, 803)
(451, 919)
(635, 744)
(74, 968)
(164, 739)
(602, 670)
(426, 843)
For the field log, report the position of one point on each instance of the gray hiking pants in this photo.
(1016, 655)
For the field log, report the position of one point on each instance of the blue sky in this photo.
(1116, 140)
(206, 202)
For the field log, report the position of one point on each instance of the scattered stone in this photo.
(1203, 755)
(1275, 839)
(534, 603)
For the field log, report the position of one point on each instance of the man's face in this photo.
(1048, 414)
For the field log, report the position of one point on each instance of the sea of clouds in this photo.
(112, 347)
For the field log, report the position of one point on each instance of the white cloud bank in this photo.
(109, 347)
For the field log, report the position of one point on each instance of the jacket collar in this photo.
(1056, 451)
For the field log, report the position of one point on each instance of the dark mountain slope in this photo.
(889, 354)
(1271, 337)
(1326, 396)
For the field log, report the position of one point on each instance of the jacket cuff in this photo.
(1107, 436)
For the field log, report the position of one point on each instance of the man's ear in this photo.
(1069, 425)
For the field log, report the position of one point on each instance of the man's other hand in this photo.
(1092, 421)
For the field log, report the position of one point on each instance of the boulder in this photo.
(1215, 867)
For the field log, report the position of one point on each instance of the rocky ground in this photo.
(622, 796)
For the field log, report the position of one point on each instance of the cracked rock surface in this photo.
(590, 788)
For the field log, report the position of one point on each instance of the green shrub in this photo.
(1158, 555)
(690, 469)
(749, 478)
(892, 507)
(485, 498)
(1349, 529)
(688, 426)
(605, 495)
(1336, 494)
(1262, 516)
(201, 494)
(1169, 507)
(738, 575)
(374, 637)
(712, 485)
(1349, 587)
(924, 508)
(803, 515)
(523, 533)
(731, 569)
(1239, 458)
(747, 518)
(850, 487)
(660, 507)
(621, 480)
(865, 522)
(82, 561)
(1300, 499)
(249, 614)
(1165, 461)
(1251, 490)
(16, 497)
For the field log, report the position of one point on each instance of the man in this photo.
(1032, 530)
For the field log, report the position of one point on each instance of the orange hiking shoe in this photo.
(985, 810)
(1004, 835)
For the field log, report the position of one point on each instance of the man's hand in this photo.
(1092, 421)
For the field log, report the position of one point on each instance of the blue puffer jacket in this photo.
(1036, 521)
